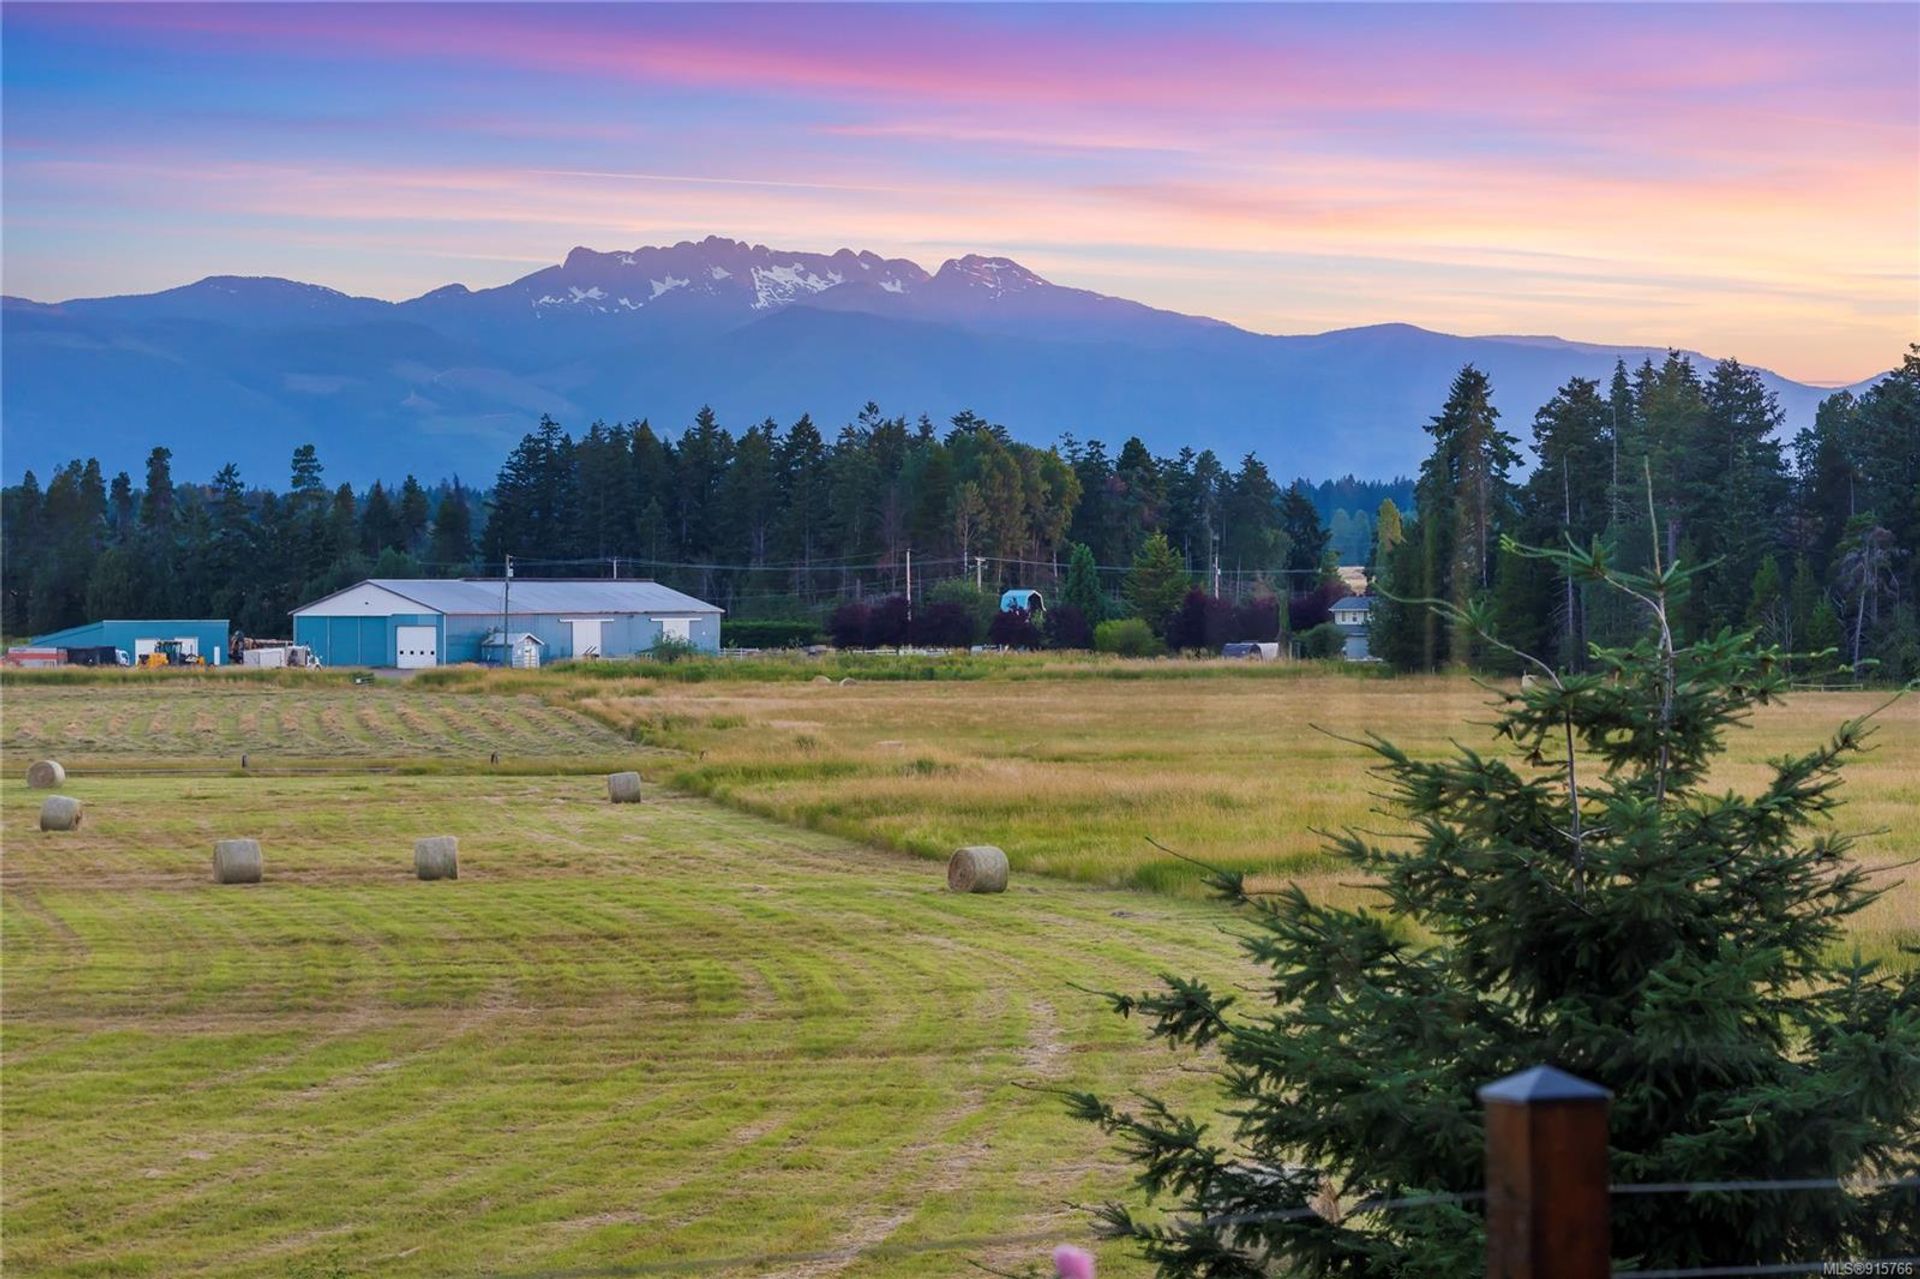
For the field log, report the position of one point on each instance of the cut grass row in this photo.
(167, 723)
(625, 1035)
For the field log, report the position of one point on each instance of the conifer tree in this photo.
(1564, 500)
(379, 522)
(120, 508)
(451, 550)
(415, 513)
(1156, 583)
(1307, 539)
(1768, 614)
(803, 498)
(1082, 587)
(229, 556)
(1583, 898)
(1464, 501)
(751, 492)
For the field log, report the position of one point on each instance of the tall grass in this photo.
(964, 667)
(1083, 778)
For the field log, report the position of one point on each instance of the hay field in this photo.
(643, 1035)
(625, 1036)
(156, 722)
(1073, 776)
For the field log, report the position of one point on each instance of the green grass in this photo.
(674, 1031)
(625, 1035)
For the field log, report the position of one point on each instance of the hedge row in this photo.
(763, 634)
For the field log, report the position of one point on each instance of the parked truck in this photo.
(98, 655)
(45, 655)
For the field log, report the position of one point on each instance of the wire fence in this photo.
(775, 1262)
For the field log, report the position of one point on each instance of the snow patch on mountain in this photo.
(778, 285)
(668, 285)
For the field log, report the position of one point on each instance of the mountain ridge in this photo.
(448, 380)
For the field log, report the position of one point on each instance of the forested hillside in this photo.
(1811, 542)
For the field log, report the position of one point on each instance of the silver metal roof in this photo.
(481, 596)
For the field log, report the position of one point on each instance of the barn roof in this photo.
(481, 596)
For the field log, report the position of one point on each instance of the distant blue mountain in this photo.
(243, 369)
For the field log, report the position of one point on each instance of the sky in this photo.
(1741, 180)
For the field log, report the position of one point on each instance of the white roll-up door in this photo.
(416, 646)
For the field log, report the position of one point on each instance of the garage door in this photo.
(416, 645)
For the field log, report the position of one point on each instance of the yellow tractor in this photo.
(171, 653)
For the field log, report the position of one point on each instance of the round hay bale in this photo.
(977, 868)
(437, 857)
(848, 682)
(236, 861)
(46, 775)
(623, 788)
(60, 812)
(823, 679)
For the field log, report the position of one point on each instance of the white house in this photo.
(1352, 616)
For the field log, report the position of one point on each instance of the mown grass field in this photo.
(625, 1037)
(163, 722)
(685, 1031)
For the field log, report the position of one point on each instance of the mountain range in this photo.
(243, 369)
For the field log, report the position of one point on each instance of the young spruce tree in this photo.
(1584, 898)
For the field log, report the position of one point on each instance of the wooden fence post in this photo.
(1546, 1177)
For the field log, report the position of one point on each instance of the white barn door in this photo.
(416, 646)
(586, 635)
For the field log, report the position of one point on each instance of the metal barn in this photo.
(204, 637)
(415, 622)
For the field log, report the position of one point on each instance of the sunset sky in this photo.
(1738, 179)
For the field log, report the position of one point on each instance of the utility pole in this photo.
(979, 572)
(616, 568)
(909, 588)
(1216, 575)
(506, 596)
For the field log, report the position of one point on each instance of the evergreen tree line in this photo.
(84, 548)
(771, 522)
(1811, 545)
